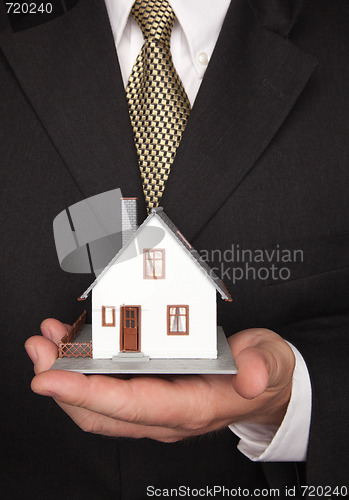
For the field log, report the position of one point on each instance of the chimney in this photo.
(128, 218)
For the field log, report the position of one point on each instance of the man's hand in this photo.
(170, 408)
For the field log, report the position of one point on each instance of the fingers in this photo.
(96, 404)
(136, 408)
(168, 409)
(42, 352)
(53, 329)
(141, 407)
(111, 417)
(144, 401)
(96, 423)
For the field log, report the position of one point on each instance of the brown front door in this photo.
(130, 319)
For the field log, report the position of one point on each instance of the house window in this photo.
(108, 316)
(154, 263)
(177, 320)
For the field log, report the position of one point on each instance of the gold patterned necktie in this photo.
(158, 104)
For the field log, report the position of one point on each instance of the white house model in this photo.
(157, 297)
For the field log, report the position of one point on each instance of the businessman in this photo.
(261, 163)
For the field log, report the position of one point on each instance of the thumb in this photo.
(253, 373)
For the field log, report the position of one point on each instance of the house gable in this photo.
(146, 236)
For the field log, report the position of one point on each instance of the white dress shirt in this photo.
(195, 32)
(192, 40)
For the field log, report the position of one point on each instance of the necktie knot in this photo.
(155, 18)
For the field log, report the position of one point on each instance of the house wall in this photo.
(185, 284)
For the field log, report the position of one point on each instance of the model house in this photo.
(157, 297)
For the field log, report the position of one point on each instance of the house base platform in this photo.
(224, 363)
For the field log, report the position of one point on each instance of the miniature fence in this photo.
(75, 350)
(67, 348)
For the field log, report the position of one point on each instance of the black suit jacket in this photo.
(263, 164)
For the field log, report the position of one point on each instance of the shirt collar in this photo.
(118, 11)
(201, 21)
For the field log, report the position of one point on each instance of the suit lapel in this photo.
(69, 71)
(253, 80)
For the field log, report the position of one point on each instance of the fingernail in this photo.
(32, 353)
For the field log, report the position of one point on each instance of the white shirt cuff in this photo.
(289, 442)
